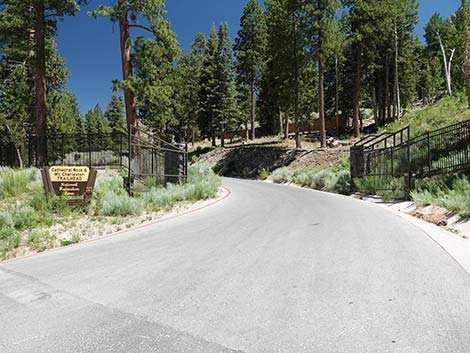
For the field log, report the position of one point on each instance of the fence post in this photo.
(429, 152)
(63, 149)
(120, 150)
(154, 174)
(408, 157)
(89, 150)
(467, 147)
(186, 162)
(129, 173)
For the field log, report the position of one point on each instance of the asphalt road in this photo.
(270, 269)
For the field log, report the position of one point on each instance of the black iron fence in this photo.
(443, 151)
(140, 153)
(154, 160)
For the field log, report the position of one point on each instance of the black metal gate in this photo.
(155, 160)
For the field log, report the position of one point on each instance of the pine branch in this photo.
(141, 27)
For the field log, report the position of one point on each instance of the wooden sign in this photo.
(75, 183)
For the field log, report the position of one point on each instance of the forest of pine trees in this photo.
(291, 61)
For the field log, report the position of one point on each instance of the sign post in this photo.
(75, 183)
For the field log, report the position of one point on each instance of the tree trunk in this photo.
(449, 69)
(214, 143)
(193, 135)
(447, 65)
(125, 42)
(374, 102)
(17, 148)
(337, 94)
(297, 85)
(286, 125)
(321, 102)
(380, 100)
(222, 135)
(252, 109)
(357, 91)
(213, 136)
(40, 84)
(298, 142)
(388, 106)
(397, 81)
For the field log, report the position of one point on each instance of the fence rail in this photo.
(442, 151)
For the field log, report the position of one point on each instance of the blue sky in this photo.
(91, 47)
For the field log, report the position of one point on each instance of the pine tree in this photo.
(226, 95)
(152, 83)
(186, 82)
(208, 88)
(63, 113)
(114, 115)
(27, 29)
(287, 57)
(322, 28)
(218, 110)
(251, 46)
(153, 57)
(98, 130)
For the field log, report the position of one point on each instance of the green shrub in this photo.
(26, 217)
(74, 240)
(6, 220)
(334, 180)
(263, 173)
(303, 176)
(281, 175)
(321, 179)
(202, 184)
(450, 192)
(422, 197)
(454, 197)
(340, 183)
(387, 187)
(120, 204)
(396, 190)
(367, 185)
(108, 183)
(342, 166)
(41, 240)
(9, 240)
(435, 184)
(9, 237)
(15, 182)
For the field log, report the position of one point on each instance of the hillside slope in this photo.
(447, 111)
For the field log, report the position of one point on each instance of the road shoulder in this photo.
(456, 246)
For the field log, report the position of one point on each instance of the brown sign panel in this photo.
(71, 182)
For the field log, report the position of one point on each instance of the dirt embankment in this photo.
(247, 161)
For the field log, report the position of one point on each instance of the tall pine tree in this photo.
(250, 47)
(27, 30)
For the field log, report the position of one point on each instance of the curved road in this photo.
(270, 269)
